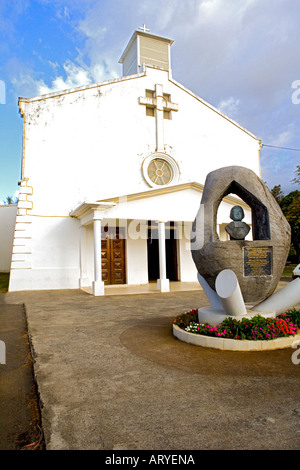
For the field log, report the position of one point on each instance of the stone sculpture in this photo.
(239, 276)
(257, 263)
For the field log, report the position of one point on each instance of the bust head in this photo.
(237, 213)
(237, 229)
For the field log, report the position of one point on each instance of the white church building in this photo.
(112, 177)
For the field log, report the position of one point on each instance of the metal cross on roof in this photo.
(143, 28)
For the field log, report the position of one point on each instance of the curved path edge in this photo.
(227, 344)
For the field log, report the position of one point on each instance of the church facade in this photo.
(112, 177)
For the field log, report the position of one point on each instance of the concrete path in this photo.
(111, 376)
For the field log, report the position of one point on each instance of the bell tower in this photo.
(146, 49)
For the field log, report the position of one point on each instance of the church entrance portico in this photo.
(137, 239)
(109, 252)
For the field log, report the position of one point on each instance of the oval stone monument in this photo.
(257, 263)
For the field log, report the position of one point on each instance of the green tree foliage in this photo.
(296, 180)
(11, 200)
(290, 206)
(277, 193)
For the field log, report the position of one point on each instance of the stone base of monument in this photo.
(227, 302)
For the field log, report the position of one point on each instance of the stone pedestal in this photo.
(98, 287)
(163, 285)
(214, 317)
(227, 301)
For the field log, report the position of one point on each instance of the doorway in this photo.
(153, 252)
(113, 256)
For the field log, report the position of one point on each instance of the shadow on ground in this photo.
(19, 412)
(153, 339)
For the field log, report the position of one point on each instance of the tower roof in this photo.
(148, 49)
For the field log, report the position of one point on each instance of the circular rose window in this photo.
(160, 170)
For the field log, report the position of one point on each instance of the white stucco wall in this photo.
(50, 257)
(136, 261)
(89, 144)
(187, 269)
(7, 226)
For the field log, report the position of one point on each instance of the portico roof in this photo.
(231, 199)
(91, 210)
(177, 202)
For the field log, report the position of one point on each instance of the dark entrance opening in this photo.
(153, 252)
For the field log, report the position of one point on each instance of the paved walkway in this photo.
(111, 376)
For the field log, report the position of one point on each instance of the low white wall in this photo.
(52, 261)
(44, 279)
(7, 226)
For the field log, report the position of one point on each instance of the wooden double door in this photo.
(113, 257)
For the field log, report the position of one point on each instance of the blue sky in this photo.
(242, 56)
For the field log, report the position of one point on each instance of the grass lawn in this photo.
(4, 280)
(288, 270)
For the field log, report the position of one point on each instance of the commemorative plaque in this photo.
(257, 261)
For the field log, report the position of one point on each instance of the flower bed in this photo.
(257, 328)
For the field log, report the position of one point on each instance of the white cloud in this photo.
(63, 13)
(26, 85)
(53, 65)
(283, 138)
(75, 76)
(229, 106)
(91, 29)
(240, 56)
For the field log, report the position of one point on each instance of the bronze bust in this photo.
(237, 229)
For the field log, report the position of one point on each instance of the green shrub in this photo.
(4, 280)
(185, 319)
